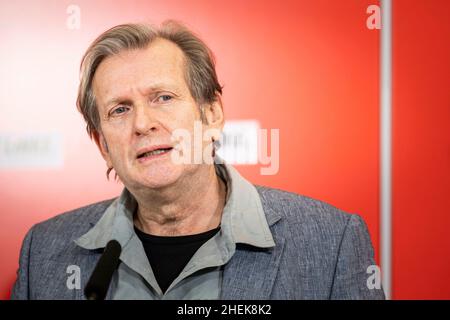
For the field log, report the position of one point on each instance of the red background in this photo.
(308, 68)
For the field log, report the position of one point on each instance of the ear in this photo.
(103, 147)
(214, 115)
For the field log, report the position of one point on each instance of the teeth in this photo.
(154, 152)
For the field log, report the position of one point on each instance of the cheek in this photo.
(181, 121)
(192, 121)
(117, 146)
(117, 127)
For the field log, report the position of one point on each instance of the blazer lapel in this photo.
(251, 272)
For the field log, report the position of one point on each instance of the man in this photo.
(188, 230)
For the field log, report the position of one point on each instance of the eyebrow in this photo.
(147, 90)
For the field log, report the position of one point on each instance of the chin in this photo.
(157, 183)
(158, 177)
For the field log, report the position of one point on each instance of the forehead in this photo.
(162, 63)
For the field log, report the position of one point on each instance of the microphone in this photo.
(98, 283)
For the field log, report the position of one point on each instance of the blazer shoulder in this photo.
(300, 209)
(56, 235)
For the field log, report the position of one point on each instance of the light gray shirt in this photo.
(243, 221)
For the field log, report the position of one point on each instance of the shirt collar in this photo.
(243, 212)
(243, 218)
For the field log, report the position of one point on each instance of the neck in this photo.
(191, 206)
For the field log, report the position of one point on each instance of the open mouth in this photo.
(154, 153)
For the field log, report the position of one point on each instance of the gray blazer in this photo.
(320, 253)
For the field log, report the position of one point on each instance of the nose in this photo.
(144, 120)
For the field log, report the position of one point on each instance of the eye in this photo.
(119, 110)
(164, 98)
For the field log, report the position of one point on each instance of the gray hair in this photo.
(200, 73)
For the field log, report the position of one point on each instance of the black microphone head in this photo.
(98, 283)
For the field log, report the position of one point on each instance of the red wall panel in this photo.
(421, 155)
(308, 68)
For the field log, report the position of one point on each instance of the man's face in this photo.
(142, 97)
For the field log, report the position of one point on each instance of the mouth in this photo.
(153, 153)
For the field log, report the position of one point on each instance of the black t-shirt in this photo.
(169, 255)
